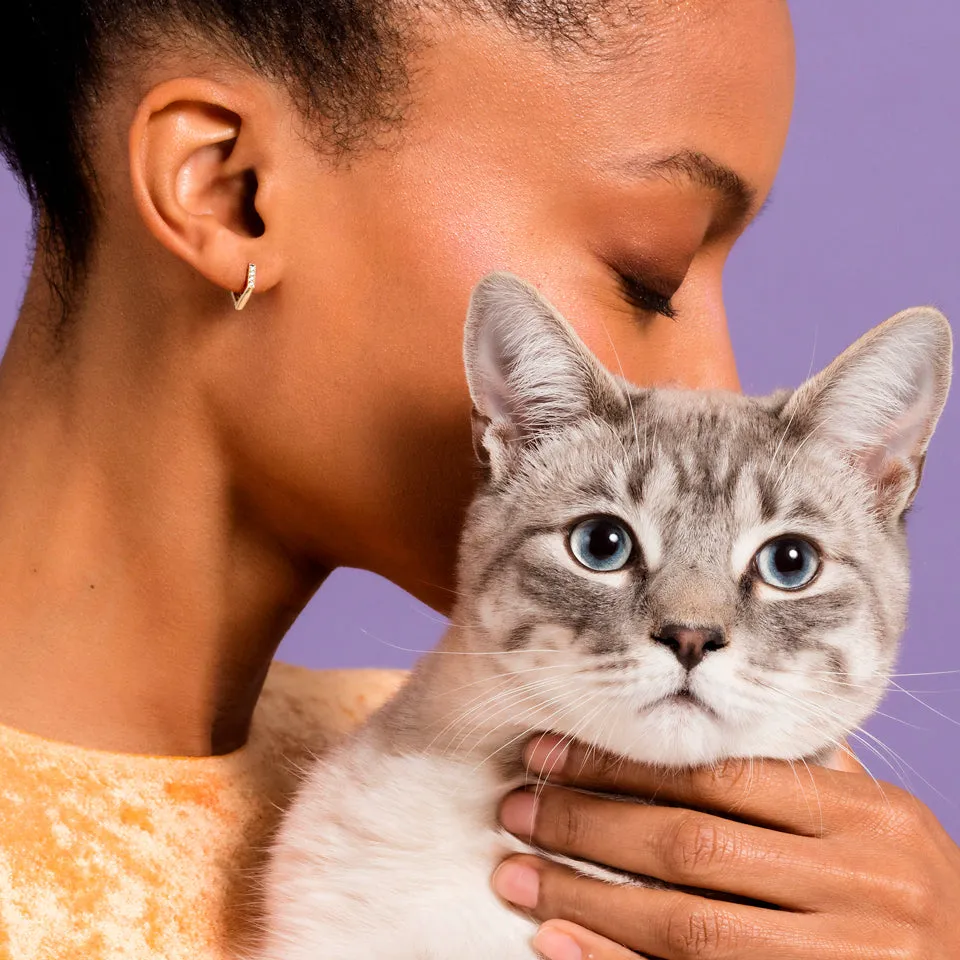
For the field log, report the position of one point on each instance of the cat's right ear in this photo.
(529, 373)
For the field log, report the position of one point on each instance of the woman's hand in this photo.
(859, 871)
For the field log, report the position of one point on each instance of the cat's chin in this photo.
(677, 731)
(680, 731)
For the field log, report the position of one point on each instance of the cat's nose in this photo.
(690, 644)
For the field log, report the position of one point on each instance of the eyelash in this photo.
(640, 296)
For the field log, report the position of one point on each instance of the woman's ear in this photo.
(202, 170)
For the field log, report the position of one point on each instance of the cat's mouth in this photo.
(685, 697)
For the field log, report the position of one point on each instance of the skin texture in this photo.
(177, 479)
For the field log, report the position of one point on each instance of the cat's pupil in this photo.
(789, 557)
(605, 541)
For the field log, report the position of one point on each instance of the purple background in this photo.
(864, 223)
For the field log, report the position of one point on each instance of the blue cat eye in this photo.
(788, 563)
(602, 544)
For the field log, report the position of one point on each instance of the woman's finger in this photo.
(668, 924)
(562, 940)
(766, 793)
(681, 847)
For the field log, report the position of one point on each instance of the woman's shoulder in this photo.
(109, 855)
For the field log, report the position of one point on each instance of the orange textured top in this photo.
(106, 856)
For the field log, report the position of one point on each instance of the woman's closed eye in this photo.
(641, 295)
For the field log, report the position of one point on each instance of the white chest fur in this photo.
(391, 857)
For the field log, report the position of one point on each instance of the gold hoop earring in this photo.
(240, 299)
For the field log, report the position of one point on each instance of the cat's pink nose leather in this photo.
(690, 644)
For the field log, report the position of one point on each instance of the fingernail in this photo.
(556, 946)
(546, 754)
(517, 883)
(519, 813)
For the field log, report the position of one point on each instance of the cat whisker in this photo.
(507, 674)
(813, 715)
(923, 703)
(485, 699)
(836, 698)
(892, 759)
(524, 733)
(577, 704)
(593, 746)
(500, 700)
(453, 591)
(511, 703)
(831, 674)
(574, 735)
(553, 757)
(862, 736)
(530, 693)
(482, 700)
(592, 743)
(929, 673)
(890, 686)
(803, 792)
(458, 653)
(860, 732)
(843, 748)
(815, 711)
(816, 792)
(900, 720)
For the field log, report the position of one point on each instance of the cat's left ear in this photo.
(880, 400)
(529, 373)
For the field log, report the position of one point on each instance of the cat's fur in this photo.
(389, 849)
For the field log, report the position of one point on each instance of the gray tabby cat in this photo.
(672, 575)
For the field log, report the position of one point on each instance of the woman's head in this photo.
(375, 162)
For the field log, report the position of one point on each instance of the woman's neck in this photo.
(140, 605)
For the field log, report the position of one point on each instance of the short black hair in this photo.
(342, 60)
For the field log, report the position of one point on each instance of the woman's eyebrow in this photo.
(702, 169)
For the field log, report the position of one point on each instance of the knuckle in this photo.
(909, 900)
(694, 846)
(570, 824)
(703, 933)
(914, 899)
(899, 814)
(905, 946)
